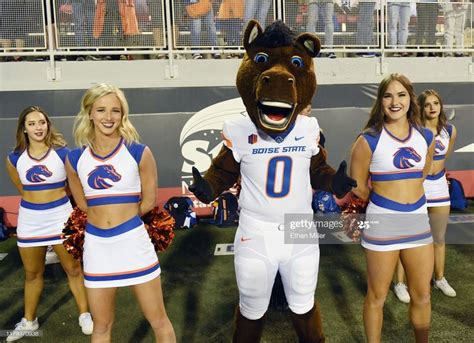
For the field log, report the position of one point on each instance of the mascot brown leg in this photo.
(246, 330)
(278, 297)
(422, 334)
(308, 326)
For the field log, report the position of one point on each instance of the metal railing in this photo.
(177, 28)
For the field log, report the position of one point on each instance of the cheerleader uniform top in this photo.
(398, 159)
(47, 172)
(442, 142)
(113, 179)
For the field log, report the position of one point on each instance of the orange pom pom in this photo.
(160, 226)
(351, 216)
(73, 233)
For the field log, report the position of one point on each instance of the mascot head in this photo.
(276, 79)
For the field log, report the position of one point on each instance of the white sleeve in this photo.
(227, 137)
(314, 130)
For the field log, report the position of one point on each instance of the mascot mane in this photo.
(275, 35)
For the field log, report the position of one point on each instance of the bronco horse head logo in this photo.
(97, 178)
(439, 146)
(403, 158)
(36, 173)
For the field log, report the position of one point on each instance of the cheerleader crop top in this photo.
(442, 142)
(398, 159)
(113, 179)
(47, 172)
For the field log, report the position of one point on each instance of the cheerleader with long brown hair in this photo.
(36, 168)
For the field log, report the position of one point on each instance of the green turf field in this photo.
(201, 295)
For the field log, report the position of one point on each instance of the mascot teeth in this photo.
(276, 104)
(275, 113)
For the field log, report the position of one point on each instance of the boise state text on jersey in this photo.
(277, 150)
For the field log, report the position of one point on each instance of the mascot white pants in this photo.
(260, 252)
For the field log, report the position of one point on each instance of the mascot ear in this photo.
(252, 31)
(310, 42)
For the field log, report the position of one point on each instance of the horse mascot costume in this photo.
(276, 153)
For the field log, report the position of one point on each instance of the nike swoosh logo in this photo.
(299, 138)
(242, 239)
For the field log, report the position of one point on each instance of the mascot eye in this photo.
(297, 61)
(261, 57)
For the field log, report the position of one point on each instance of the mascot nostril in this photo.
(275, 153)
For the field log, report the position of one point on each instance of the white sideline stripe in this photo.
(461, 218)
(340, 235)
(467, 148)
(224, 249)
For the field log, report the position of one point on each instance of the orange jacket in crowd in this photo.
(127, 15)
(231, 9)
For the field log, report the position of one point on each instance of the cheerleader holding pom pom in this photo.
(113, 178)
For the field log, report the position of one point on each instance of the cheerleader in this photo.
(36, 168)
(395, 152)
(113, 179)
(436, 185)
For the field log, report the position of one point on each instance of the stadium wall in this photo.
(180, 117)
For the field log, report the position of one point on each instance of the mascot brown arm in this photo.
(321, 173)
(222, 175)
(324, 177)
